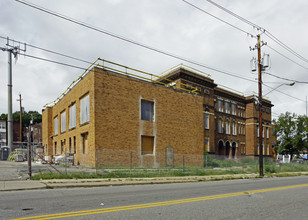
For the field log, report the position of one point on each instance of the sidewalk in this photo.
(70, 183)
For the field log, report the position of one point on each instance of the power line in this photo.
(286, 56)
(284, 93)
(200, 9)
(291, 80)
(236, 15)
(130, 41)
(47, 50)
(52, 61)
(266, 32)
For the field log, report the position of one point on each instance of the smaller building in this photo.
(4, 132)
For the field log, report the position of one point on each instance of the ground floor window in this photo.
(84, 137)
(147, 144)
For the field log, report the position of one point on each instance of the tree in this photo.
(26, 117)
(291, 133)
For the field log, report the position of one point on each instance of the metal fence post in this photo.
(183, 164)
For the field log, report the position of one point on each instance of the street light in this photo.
(284, 84)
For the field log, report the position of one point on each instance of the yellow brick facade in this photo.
(116, 133)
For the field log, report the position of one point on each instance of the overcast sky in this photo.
(168, 25)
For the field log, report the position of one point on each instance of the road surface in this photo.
(268, 198)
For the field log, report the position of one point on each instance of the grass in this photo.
(214, 167)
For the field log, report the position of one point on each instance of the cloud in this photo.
(171, 26)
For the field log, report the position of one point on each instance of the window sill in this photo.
(84, 124)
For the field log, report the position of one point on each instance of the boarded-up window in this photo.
(63, 121)
(84, 143)
(85, 109)
(147, 110)
(147, 144)
(72, 119)
(56, 126)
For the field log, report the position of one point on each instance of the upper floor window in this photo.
(85, 109)
(63, 121)
(267, 133)
(227, 107)
(233, 128)
(147, 110)
(206, 121)
(72, 119)
(220, 128)
(56, 125)
(233, 108)
(227, 127)
(220, 105)
(258, 131)
(2, 125)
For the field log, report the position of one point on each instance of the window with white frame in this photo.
(220, 128)
(147, 110)
(227, 107)
(72, 118)
(63, 121)
(227, 127)
(206, 121)
(56, 125)
(258, 132)
(85, 109)
(267, 133)
(233, 128)
(233, 108)
(220, 105)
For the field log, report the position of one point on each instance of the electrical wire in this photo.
(284, 93)
(52, 61)
(286, 57)
(130, 41)
(291, 80)
(200, 9)
(47, 50)
(266, 32)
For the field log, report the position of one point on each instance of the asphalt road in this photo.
(236, 199)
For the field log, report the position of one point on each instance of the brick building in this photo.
(4, 132)
(117, 116)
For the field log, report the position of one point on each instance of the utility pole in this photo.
(11, 49)
(260, 108)
(20, 119)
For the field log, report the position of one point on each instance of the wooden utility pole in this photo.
(260, 109)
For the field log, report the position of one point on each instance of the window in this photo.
(267, 133)
(74, 144)
(2, 125)
(84, 142)
(233, 108)
(258, 131)
(227, 127)
(55, 148)
(206, 144)
(56, 125)
(267, 150)
(147, 110)
(220, 129)
(63, 121)
(233, 128)
(258, 149)
(72, 119)
(61, 147)
(220, 107)
(227, 107)
(70, 145)
(85, 109)
(147, 145)
(206, 121)
(273, 131)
